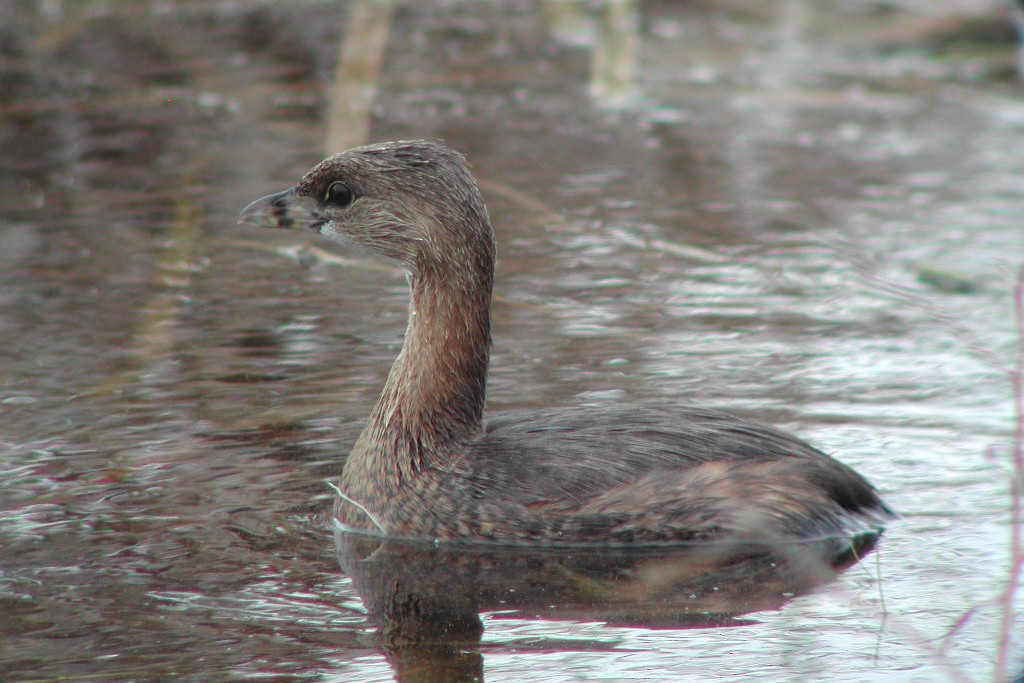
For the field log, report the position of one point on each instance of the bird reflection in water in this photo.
(427, 598)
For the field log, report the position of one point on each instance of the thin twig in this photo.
(905, 630)
(1016, 503)
(962, 620)
(360, 506)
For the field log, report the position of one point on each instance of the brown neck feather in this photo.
(433, 400)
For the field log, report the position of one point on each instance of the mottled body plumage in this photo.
(426, 465)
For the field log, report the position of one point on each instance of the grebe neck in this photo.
(433, 399)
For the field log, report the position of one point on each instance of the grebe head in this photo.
(413, 202)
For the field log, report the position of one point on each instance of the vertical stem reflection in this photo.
(354, 88)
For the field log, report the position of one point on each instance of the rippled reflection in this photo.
(427, 597)
(696, 201)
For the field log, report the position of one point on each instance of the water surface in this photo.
(804, 212)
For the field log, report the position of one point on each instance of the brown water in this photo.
(802, 211)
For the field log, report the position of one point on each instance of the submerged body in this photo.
(427, 465)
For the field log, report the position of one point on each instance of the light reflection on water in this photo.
(175, 390)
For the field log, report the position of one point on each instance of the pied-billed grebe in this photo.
(426, 464)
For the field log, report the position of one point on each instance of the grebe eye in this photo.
(339, 194)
